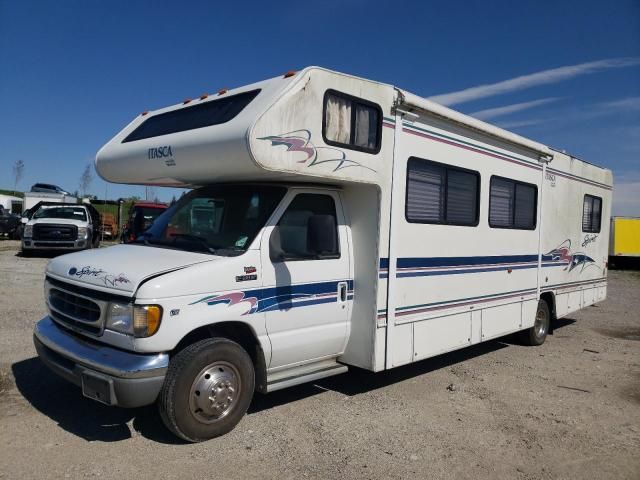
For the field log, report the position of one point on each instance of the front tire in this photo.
(207, 390)
(537, 334)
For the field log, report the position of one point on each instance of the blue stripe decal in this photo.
(473, 270)
(281, 298)
(422, 267)
(412, 262)
(287, 304)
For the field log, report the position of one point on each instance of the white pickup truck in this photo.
(333, 222)
(56, 226)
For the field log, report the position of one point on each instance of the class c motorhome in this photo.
(334, 222)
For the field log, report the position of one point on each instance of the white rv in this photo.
(334, 222)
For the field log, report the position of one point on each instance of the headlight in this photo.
(82, 232)
(138, 320)
(28, 231)
(120, 317)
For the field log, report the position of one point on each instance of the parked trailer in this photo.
(11, 204)
(624, 244)
(32, 198)
(335, 222)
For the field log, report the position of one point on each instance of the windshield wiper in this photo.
(202, 241)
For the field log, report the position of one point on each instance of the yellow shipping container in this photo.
(625, 237)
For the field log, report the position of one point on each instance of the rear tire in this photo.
(537, 334)
(207, 390)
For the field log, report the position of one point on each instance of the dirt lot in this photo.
(567, 409)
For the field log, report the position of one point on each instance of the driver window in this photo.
(291, 239)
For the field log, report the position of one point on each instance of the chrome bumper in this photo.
(106, 374)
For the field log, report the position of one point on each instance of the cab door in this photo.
(308, 280)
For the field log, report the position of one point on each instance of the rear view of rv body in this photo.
(337, 222)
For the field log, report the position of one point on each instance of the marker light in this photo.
(290, 73)
(203, 96)
(223, 91)
(186, 100)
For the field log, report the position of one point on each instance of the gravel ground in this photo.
(567, 409)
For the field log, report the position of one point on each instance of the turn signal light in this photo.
(146, 320)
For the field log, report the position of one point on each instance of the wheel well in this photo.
(239, 332)
(550, 299)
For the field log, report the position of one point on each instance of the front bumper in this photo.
(106, 374)
(30, 244)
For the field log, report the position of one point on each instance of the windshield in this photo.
(71, 213)
(221, 219)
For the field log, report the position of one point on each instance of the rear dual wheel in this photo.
(207, 390)
(537, 334)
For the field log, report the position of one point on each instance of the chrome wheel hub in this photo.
(540, 325)
(214, 392)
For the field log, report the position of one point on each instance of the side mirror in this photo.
(322, 234)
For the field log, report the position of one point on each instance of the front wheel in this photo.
(207, 390)
(537, 334)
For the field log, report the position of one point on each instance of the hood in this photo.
(121, 268)
(58, 221)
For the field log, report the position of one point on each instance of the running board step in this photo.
(281, 383)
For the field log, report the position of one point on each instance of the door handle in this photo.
(342, 291)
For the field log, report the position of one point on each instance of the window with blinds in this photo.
(512, 204)
(351, 122)
(441, 194)
(591, 214)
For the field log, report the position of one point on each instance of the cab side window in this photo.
(307, 230)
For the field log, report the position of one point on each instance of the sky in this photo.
(73, 73)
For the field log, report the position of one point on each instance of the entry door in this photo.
(307, 299)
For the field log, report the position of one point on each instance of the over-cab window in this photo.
(512, 204)
(202, 114)
(591, 214)
(438, 193)
(351, 122)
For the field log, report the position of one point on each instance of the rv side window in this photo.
(205, 114)
(442, 194)
(591, 214)
(351, 122)
(512, 204)
(291, 238)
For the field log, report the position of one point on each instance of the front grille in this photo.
(71, 304)
(46, 231)
(74, 311)
(69, 322)
(57, 244)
